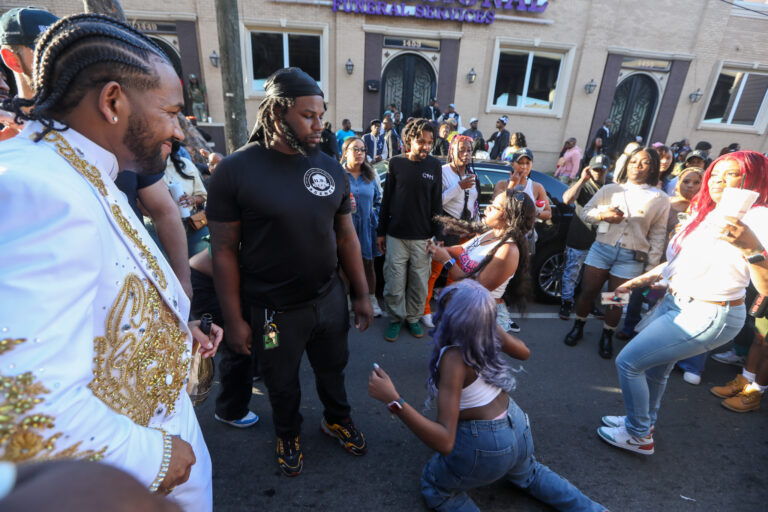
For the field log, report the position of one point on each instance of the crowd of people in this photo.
(140, 260)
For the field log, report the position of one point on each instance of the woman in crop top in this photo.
(497, 252)
(481, 435)
(709, 264)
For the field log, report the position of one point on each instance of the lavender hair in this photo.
(466, 318)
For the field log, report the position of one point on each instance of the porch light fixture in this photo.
(471, 76)
(591, 86)
(350, 66)
(214, 59)
(695, 96)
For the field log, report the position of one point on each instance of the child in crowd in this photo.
(481, 435)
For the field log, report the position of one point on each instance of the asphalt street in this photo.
(707, 458)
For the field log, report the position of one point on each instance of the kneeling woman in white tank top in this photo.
(481, 435)
(497, 252)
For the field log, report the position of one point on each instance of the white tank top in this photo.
(477, 394)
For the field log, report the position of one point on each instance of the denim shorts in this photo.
(620, 262)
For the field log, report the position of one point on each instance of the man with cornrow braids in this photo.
(96, 342)
(413, 197)
(279, 213)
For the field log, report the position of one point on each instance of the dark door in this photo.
(409, 83)
(632, 111)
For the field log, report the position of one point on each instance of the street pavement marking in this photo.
(535, 315)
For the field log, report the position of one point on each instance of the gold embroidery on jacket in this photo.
(92, 174)
(21, 436)
(142, 361)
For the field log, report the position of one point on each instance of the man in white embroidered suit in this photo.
(95, 348)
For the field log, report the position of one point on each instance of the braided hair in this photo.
(79, 53)
(271, 112)
(415, 129)
(520, 214)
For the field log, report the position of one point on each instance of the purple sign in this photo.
(468, 11)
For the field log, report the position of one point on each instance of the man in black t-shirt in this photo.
(413, 196)
(278, 210)
(580, 235)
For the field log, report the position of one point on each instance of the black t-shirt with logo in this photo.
(413, 196)
(286, 205)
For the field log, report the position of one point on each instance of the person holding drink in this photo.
(460, 192)
(709, 264)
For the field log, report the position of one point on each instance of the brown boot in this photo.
(747, 400)
(731, 389)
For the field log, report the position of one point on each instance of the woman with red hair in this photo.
(709, 265)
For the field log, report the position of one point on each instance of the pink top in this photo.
(571, 166)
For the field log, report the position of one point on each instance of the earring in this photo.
(114, 119)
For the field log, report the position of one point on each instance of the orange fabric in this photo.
(437, 268)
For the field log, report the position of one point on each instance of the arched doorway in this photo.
(632, 111)
(408, 82)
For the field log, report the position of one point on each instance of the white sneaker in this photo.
(619, 421)
(620, 438)
(427, 321)
(692, 378)
(513, 327)
(729, 357)
(246, 421)
(375, 305)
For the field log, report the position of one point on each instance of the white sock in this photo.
(609, 327)
(748, 375)
(762, 388)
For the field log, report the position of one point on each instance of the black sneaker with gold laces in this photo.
(346, 432)
(289, 455)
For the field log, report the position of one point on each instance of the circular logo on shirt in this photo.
(319, 182)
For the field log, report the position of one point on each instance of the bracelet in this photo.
(167, 448)
(448, 264)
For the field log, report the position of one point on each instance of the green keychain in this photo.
(271, 333)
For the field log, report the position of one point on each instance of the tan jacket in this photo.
(644, 228)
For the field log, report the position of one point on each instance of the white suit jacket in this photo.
(93, 327)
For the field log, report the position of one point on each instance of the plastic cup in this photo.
(735, 202)
(177, 192)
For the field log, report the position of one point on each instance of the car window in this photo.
(488, 179)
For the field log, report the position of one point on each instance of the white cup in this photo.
(735, 202)
(176, 192)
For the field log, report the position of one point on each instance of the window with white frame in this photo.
(738, 98)
(527, 79)
(271, 51)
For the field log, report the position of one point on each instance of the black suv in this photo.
(548, 261)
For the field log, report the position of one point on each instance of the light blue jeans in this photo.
(574, 260)
(680, 328)
(487, 451)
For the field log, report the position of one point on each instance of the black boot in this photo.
(575, 334)
(606, 344)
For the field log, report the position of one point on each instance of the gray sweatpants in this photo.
(406, 271)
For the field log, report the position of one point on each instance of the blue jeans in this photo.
(574, 260)
(487, 451)
(680, 328)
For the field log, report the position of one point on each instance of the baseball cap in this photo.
(600, 162)
(504, 119)
(452, 105)
(696, 154)
(473, 120)
(374, 121)
(522, 152)
(23, 25)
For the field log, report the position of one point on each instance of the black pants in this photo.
(320, 328)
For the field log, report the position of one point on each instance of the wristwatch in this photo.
(756, 257)
(448, 264)
(396, 405)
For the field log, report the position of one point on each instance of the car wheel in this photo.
(548, 268)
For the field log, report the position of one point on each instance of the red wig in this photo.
(753, 165)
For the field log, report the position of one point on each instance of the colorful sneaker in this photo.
(427, 321)
(393, 331)
(246, 421)
(415, 329)
(289, 455)
(747, 400)
(346, 432)
(513, 327)
(620, 438)
(732, 388)
(730, 357)
(619, 421)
